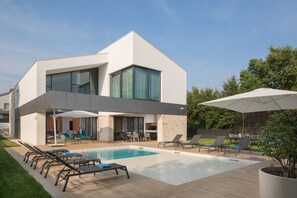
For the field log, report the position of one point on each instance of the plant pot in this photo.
(272, 186)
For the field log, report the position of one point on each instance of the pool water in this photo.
(117, 153)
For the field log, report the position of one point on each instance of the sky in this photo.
(211, 40)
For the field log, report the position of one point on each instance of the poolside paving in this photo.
(242, 182)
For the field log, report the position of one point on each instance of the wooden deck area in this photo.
(238, 183)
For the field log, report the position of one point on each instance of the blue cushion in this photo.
(235, 147)
(208, 144)
(66, 134)
(103, 165)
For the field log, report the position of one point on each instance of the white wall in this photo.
(173, 77)
(41, 125)
(150, 118)
(103, 81)
(26, 89)
(32, 128)
(28, 128)
(120, 55)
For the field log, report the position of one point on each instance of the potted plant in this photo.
(278, 140)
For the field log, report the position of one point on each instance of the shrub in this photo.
(278, 140)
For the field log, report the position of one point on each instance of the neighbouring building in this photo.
(4, 107)
(4, 110)
(132, 86)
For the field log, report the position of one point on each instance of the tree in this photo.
(278, 70)
(196, 113)
(230, 87)
(200, 116)
(248, 81)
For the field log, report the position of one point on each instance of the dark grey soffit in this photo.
(55, 100)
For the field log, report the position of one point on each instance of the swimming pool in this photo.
(117, 153)
(173, 167)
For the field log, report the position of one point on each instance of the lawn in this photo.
(204, 141)
(14, 180)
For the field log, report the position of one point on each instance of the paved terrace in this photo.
(238, 183)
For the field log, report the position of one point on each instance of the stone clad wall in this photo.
(106, 124)
(170, 125)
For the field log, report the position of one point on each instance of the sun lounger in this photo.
(233, 138)
(175, 141)
(244, 143)
(78, 160)
(218, 143)
(41, 155)
(70, 171)
(193, 142)
(28, 153)
(33, 152)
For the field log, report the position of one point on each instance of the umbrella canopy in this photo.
(76, 114)
(264, 99)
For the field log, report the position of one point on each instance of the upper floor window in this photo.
(85, 81)
(6, 105)
(136, 82)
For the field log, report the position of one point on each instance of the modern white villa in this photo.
(132, 86)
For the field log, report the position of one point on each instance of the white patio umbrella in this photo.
(76, 114)
(263, 99)
(71, 114)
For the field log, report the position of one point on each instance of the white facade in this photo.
(127, 51)
(134, 50)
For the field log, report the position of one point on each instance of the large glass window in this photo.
(93, 81)
(141, 83)
(85, 81)
(127, 83)
(48, 83)
(154, 85)
(81, 82)
(116, 85)
(136, 82)
(61, 82)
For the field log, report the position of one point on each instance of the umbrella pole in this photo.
(55, 128)
(242, 129)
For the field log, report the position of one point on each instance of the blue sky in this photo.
(211, 40)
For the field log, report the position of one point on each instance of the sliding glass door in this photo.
(127, 124)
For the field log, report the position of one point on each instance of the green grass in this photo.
(204, 141)
(14, 180)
